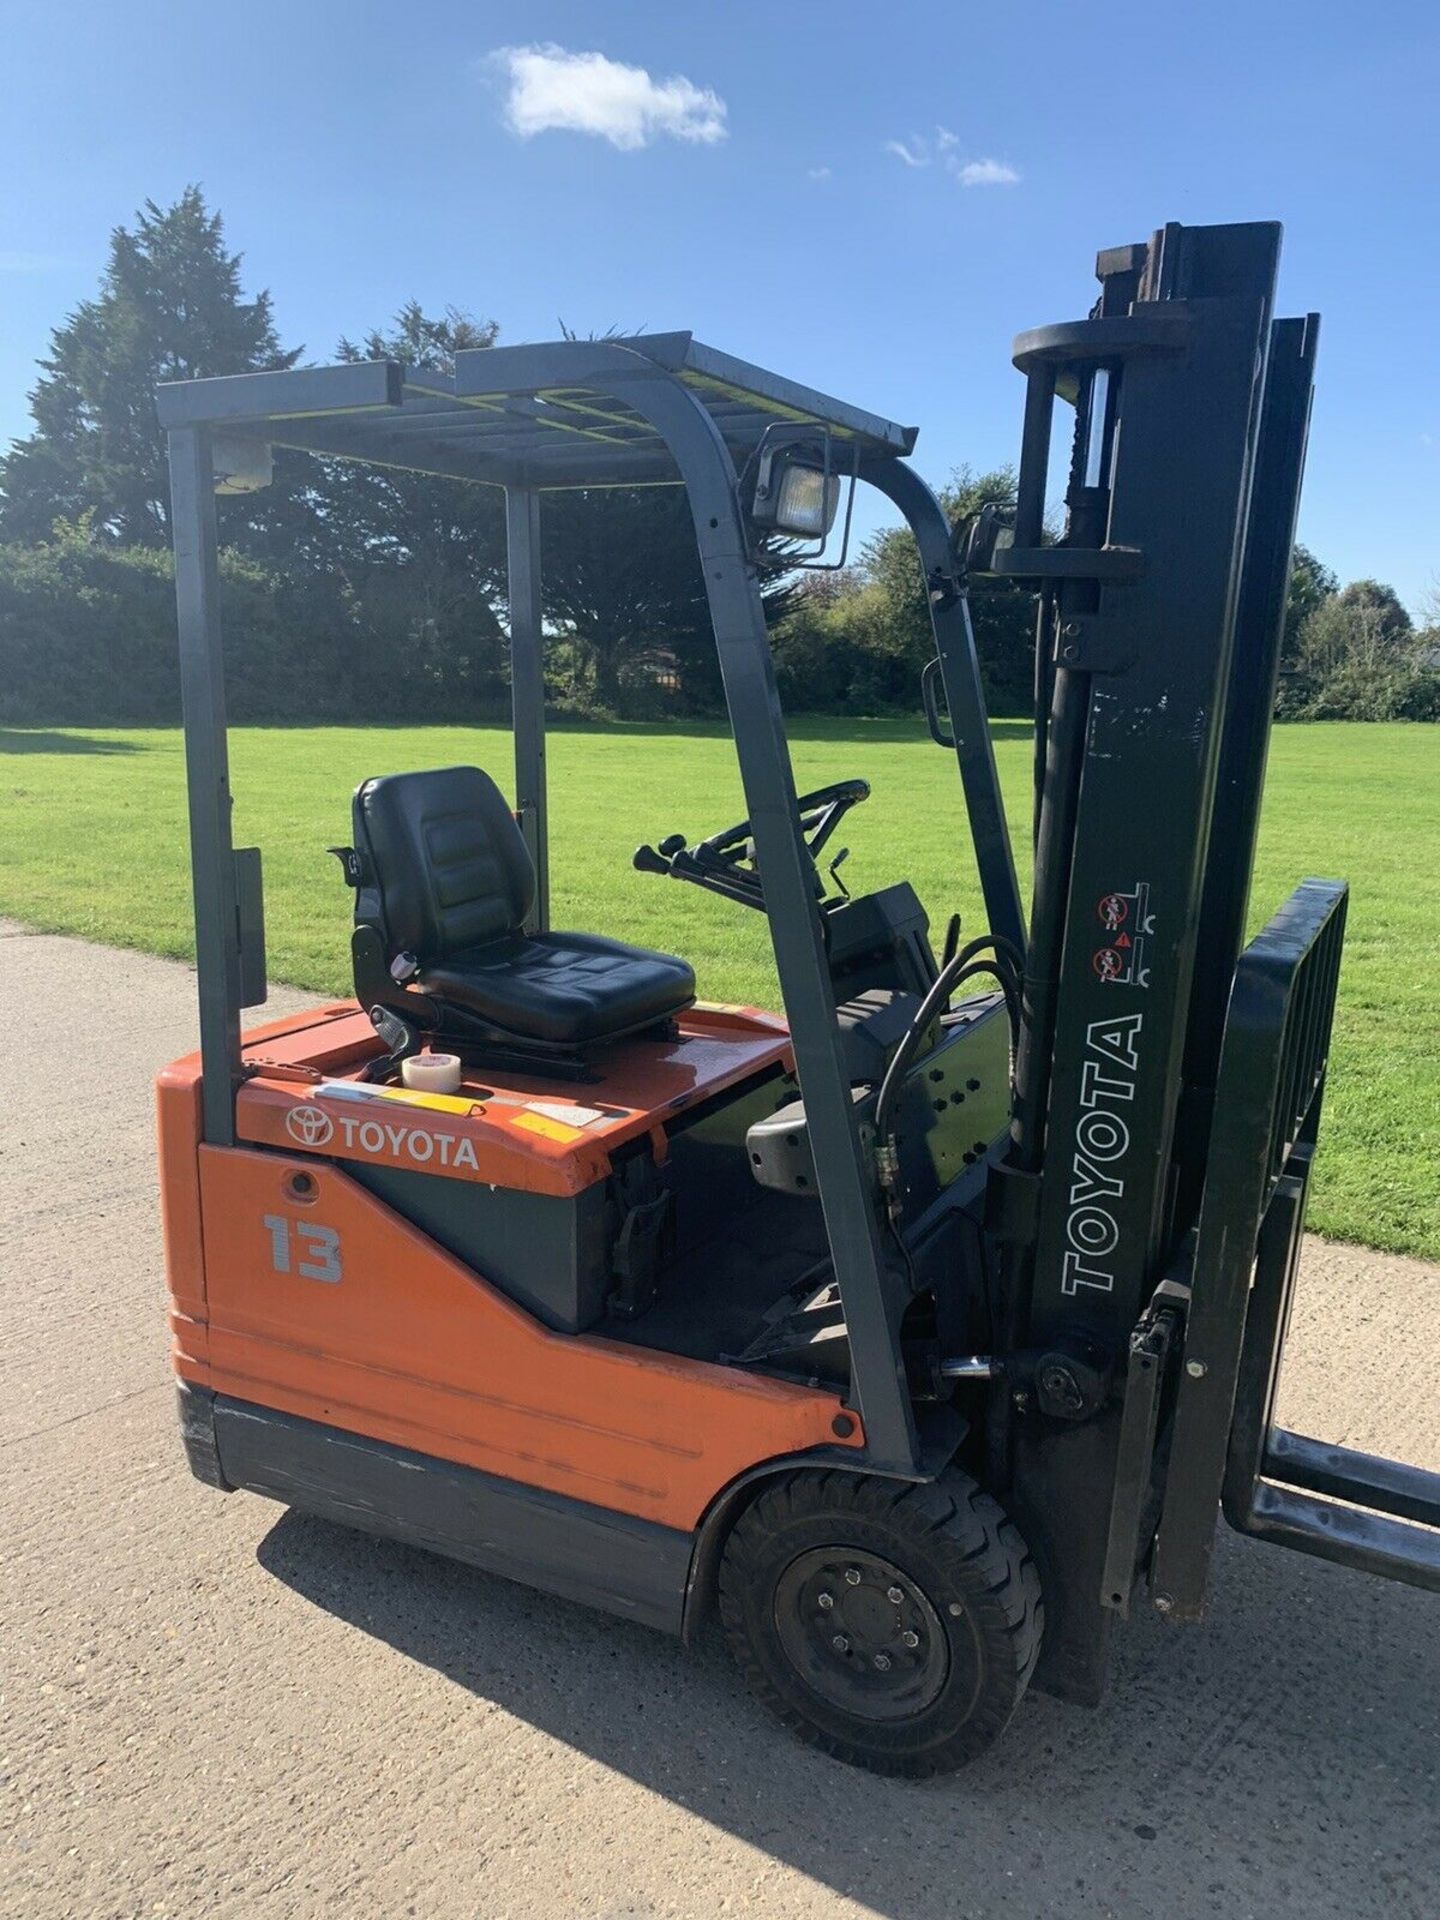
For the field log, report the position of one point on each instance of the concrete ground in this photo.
(214, 1706)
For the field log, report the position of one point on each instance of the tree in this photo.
(1427, 639)
(170, 307)
(1359, 658)
(1362, 629)
(422, 557)
(881, 614)
(1377, 611)
(623, 585)
(1311, 583)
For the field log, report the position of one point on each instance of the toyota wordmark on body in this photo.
(311, 1127)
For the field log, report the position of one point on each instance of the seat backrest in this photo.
(443, 866)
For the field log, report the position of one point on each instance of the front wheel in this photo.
(894, 1626)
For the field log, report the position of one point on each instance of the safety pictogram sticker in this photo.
(1128, 923)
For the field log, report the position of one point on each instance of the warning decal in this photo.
(1128, 923)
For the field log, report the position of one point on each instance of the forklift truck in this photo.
(928, 1330)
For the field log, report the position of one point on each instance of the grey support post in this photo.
(964, 695)
(527, 688)
(207, 775)
(871, 1292)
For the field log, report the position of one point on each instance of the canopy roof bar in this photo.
(554, 415)
(238, 398)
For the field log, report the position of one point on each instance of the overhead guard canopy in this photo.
(653, 410)
(549, 416)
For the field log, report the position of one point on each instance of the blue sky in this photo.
(870, 198)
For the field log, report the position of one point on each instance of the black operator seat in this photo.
(445, 877)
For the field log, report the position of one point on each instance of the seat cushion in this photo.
(450, 867)
(562, 988)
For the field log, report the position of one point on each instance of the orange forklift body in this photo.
(295, 1288)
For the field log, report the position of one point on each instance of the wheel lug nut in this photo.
(852, 1576)
(894, 1595)
(956, 1609)
(840, 1643)
(908, 1639)
(827, 1600)
(882, 1661)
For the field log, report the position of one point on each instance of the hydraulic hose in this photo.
(1012, 973)
(962, 965)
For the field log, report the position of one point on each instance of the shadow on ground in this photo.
(38, 740)
(1269, 1761)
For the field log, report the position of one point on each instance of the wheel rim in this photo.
(860, 1633)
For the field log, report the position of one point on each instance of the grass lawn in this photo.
(92, 841)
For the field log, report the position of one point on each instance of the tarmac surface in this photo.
(214, 1706)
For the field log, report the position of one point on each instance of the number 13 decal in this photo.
(315, 1249)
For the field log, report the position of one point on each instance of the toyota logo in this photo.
(309, 1126)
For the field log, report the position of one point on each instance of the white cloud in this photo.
(552, 90)
(817, 173)
(987, 173)
(919, 152)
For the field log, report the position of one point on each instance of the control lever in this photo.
(402, 1040)
(706, 869)
(660, 859)
(351, 864)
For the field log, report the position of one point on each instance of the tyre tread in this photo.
(963, 1526)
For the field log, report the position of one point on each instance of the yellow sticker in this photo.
(461, 1103)
(547, 1129)
(435, 1102)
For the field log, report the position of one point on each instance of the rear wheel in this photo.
(894, 1626)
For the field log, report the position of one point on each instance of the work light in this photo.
(794, 496)
(240, 466)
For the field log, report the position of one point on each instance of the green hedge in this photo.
(87, 638)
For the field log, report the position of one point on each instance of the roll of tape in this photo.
(431, 1072)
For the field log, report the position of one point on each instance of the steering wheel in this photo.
(725, 863)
